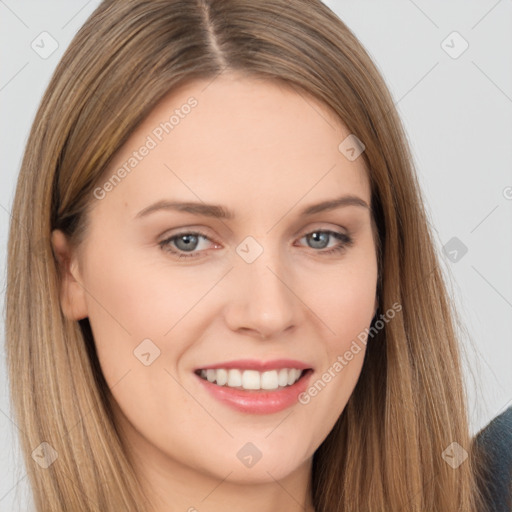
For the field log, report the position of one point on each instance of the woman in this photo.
(176, 339)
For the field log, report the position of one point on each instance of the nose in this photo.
(263, 302)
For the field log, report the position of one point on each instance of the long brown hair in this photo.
(385, 451)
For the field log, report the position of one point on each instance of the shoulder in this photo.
(494, 447)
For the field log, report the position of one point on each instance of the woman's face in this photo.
(262, 288)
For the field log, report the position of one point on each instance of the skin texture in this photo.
(265, 152)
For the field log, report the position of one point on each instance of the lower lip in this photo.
(258, 401)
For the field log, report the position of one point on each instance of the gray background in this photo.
(457, 111)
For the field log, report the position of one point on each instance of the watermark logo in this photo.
(455, 249)
(351, 147)
(454, 455)
(44, 45)
(45, 455)
(454, 45)
(249, 455)
(249, 249)
(146, 352)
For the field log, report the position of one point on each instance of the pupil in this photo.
(317, 236)
(188, 239)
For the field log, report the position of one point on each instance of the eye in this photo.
(187, 242)
(319, 237)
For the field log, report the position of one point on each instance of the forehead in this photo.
(239, 141)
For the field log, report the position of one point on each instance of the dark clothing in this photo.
(494, 446)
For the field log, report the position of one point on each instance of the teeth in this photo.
(222, 377)
(282, 378)
(234, 378)
(269, 380)
(252, 379)
(293, 375)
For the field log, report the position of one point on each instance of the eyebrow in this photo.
(220, 212)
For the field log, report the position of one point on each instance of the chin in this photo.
(275, 466)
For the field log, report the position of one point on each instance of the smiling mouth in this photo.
(253, 380)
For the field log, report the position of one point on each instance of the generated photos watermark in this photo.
(157, 135)
(343, 360)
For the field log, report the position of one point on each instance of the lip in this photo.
(258, 401)
(254, 364)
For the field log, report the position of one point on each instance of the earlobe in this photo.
(72, 293)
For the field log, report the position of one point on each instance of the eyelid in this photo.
(188, 230)
(345, 240)
(322, 226)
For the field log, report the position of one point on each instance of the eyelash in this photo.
(345, 241)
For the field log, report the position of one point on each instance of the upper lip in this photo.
(254, 364)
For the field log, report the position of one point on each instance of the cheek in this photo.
(137, 305)
(138, 296)
(132, 305)
(346, 309)
(124, 308)
(346, 301)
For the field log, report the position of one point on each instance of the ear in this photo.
(72, 292)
